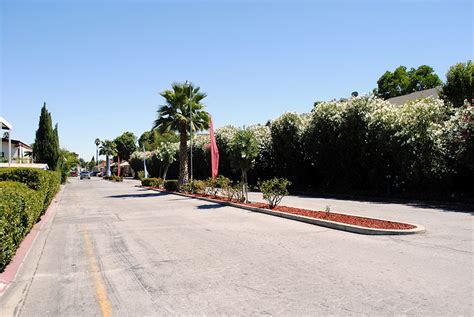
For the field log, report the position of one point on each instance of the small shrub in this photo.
(228, 191)
(239, 195)
(194, 187)
(152, 182)
(171, 185)
(113, 178)
(222, 181)
(198, 186)
(327, 210)
(214, 185)
(140, 175)
(116, 178)
(211, 187)
(274, 190)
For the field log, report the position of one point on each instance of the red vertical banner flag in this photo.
(214, 153)
(118, 167)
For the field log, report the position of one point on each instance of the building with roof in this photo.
(5, 125)
(13, 151)
(20, 151)
(400, 100)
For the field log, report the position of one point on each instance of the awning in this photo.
(5, 125)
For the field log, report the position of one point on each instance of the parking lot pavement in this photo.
(117, 249)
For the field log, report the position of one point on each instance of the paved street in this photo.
(116, 249)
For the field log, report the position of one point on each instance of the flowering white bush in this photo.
(226, 133)
(360, 144)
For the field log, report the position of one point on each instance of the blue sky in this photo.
(100, 65)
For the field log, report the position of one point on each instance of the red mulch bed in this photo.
(352, 220)
(332, 216)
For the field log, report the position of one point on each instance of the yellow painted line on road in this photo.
(100, 289)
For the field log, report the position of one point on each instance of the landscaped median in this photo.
(25, 194)
(345, 222)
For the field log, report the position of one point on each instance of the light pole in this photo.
(188, 83)
(97, 142)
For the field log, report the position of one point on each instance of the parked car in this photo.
(85, 174)
(73, 174)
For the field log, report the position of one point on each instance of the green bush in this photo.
(194, 187)
(152, 182)
(171, 185)
(213, 186)
(140, 175)
(362, 146)
(274, 190)
(20, 208)
(45, 182)
(113, 178)
(116, 178)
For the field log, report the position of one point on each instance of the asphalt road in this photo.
(116, 249)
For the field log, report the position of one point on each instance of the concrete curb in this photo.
(8, 276)
(314, 221)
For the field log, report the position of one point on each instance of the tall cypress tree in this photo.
(57, 148)
(46, 146)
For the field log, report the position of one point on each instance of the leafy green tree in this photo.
(151, 139)
(175, 116)
(108, 149)
(68, 161)
(223, 137)
(166, 153)
(46, 147)
(423, 78)
(83, 163)
(402, 82)
(393, 84)
(91, 164)
(125, 144)
(243, 152)
(459, 84)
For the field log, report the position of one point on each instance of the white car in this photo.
(85, 174)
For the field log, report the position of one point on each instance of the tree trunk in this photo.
(244, 186)
(108, 165)
(165, 172)
(183, 156)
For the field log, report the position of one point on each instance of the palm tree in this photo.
(174, 115)
(108, 149)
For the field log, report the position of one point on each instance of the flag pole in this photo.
(144, 162)
(214, 151)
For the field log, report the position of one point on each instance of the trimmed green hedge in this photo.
(153, 182)
(25, 194)
(45, 182)
(171, 185)
(20, 208)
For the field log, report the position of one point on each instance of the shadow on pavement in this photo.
(210, 206)
(156, 194)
